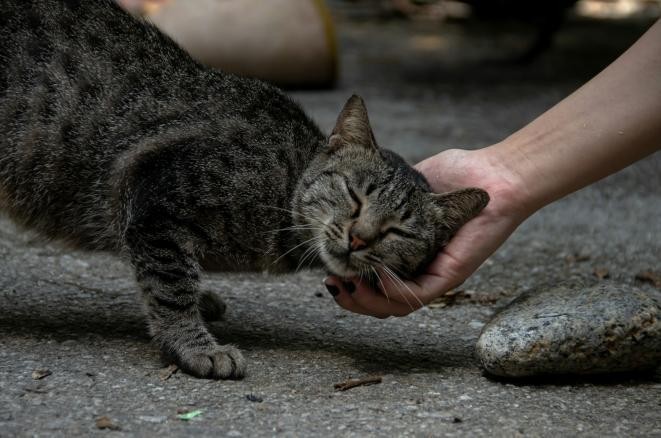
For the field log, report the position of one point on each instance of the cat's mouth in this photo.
(344, 264)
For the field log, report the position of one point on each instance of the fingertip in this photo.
(337, 289)
(333, 290)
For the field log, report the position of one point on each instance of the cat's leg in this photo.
(212, 307)
(162, 251)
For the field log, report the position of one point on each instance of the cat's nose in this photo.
(356, 243)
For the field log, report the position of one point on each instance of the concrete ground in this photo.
(428, 87)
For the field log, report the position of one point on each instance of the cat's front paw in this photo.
(191, 346)
(218, 362)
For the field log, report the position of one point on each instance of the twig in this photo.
(352, 383)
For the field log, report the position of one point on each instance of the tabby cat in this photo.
(113, 138)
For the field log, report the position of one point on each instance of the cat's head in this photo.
(364, 207)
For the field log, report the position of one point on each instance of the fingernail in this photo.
(333, 290)
(350, 287)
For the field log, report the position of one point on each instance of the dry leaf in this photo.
(601, 273)
(41, 373)
(437, 303)
(167, 372)
(650, 277)
(106, 423)
(459, 295)
(577, 258)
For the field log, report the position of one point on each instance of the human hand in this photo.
(468, 249)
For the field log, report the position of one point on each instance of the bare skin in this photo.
(606, 125)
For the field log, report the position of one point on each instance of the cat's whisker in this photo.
(295, 247)
(402, 283)
(390, 274)
(383, 288)
(310, 253)
(315, 255)
(293, 212)
(301, 259)
(298, 226)
(304, 227)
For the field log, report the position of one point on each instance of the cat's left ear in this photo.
(352, 127)
(458, 207)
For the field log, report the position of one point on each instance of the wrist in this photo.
(513, 184)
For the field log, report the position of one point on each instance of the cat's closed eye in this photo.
(357, 204)
(398, 232)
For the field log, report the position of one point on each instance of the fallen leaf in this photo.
(453, 293)
(448, 298)
(459, 295)
(577, 257)
(104, 422)
(650, 277)
(167, 372)
(437, 303)
(601, 273)
(41, 373)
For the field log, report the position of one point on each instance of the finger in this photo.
(378, 304)
(342, 296)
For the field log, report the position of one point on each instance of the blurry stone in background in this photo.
(442, 9)
(290, 43)
(618, 8)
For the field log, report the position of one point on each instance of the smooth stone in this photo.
(600, 329)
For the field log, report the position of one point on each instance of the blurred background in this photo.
(434, 73)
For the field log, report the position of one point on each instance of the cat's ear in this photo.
(352, 127)
(458, 207)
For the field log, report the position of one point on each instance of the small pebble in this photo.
(254, 398)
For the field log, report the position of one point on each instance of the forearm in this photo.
(609, 123)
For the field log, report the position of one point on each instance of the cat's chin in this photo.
(338, 267)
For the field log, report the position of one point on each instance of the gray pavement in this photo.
(428, 87)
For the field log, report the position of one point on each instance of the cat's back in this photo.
(87, 85)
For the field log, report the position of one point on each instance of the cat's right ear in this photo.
(458, 207)
(352, 127)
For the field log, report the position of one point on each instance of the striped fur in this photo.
(115, 139)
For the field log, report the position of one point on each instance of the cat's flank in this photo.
(113, 138)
